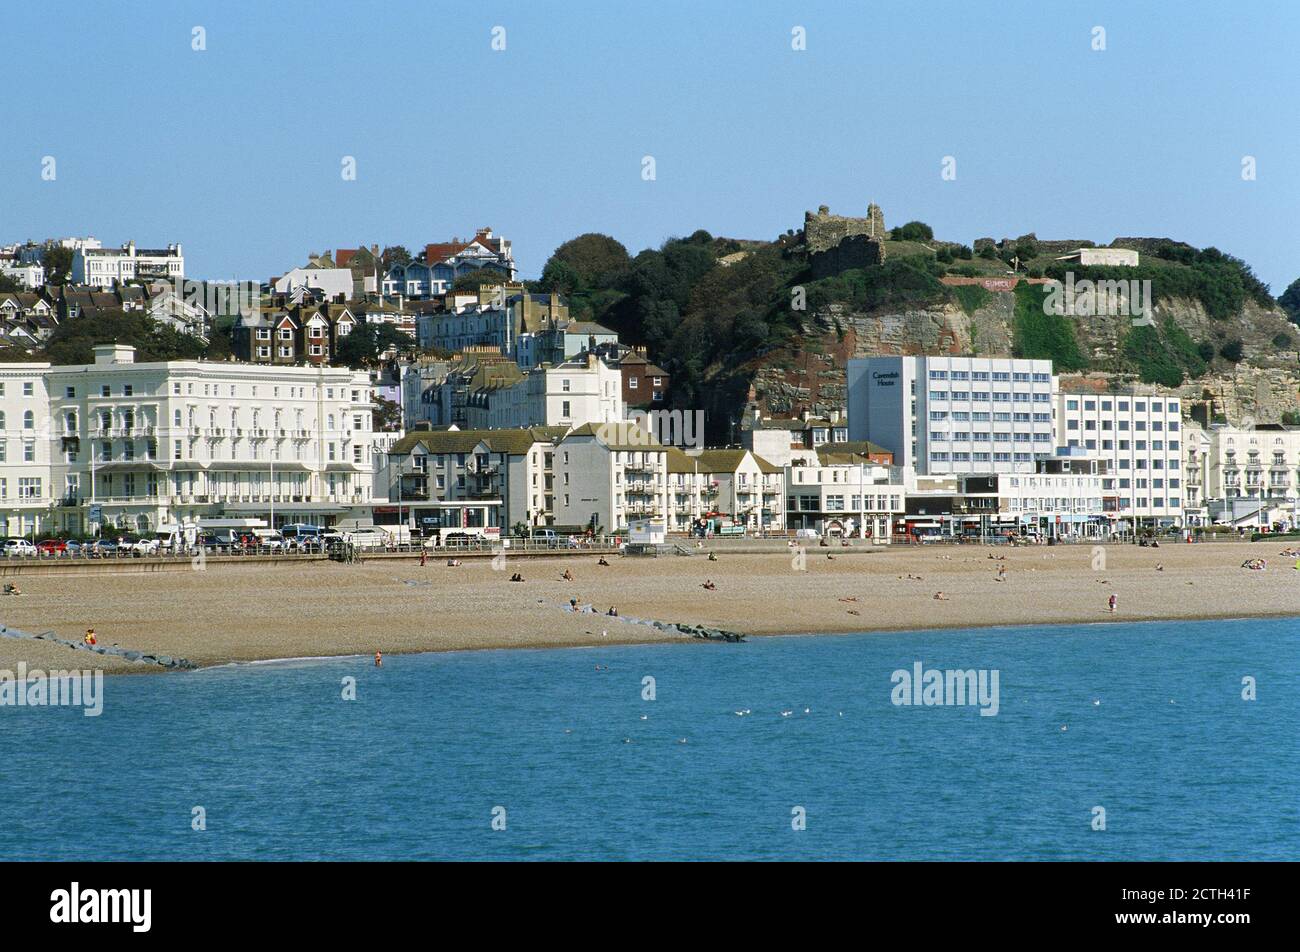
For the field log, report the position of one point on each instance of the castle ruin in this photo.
(837, 243)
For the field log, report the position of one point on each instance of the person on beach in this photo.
(1114, 602)
(1002, 574)
(709, 586)
(424, 557)
(453, 562)
(602, 561)
(940, 597)
(90, 638)
(573, 604)
(12, 589)
(379, 659)
(713, 556)
(567, 576)
(613, 612)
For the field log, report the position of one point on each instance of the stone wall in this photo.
(823, 231)
(855, 251)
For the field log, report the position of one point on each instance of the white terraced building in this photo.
(1140, 435)
(143, 444)
(954, 415)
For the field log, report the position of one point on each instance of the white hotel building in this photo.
(145, 444)
(103, 267)
(954, 415)
(1140, 434)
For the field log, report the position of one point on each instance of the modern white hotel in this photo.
(954, 415)
(1140, 434)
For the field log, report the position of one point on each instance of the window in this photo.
(29, 420)
(27, 388)
(631, 383)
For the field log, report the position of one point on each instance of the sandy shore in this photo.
(244, 613)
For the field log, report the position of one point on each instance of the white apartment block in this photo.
(1140, 435)
(610, 474)
(483, 480)
(1252, 476)
(138, 445)
(104, 267)
(30, 275)
(730, 482)
(26, 489)
(859, 500)
(941, 415)
(1059, 504)
(568, 394)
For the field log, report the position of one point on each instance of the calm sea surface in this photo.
(584, 767)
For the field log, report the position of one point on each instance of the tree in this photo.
(394, 254)
(473, 280)
(589, 261)
(1290, 301)
(387, 415)
(913, 231)
(8, 284)
(361, 348)
(57, 262)
(1233, 350)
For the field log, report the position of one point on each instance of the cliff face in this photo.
(1262, 386)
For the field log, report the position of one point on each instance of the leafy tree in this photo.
(1233, 350)
(8, 284)
(394, 254)
(585, 263)
(1290, 301)
(57, 262)
(73, 341)
(473, 280)
(913, 231)
(364, 345)
(387, 415)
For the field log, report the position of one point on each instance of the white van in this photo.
(368, 537)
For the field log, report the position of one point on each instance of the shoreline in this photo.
(547, 646)
(329, 610)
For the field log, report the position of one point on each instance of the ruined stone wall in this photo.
(855, 251)
(823, 231)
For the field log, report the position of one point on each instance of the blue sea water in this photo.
(584, 767)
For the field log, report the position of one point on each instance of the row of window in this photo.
(1138, 425)
(983, 436)
(1139, 406)
(995, 375)
(984, 396)
(983, 416)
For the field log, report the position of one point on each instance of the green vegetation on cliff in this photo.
(1162, 354)
(1042, 336)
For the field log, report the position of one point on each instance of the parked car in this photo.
(19, 547)
(52, 547)
(103, 549)
(143, 547)
(73, 548)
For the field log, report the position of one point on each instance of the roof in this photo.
(715, 461)
(515, 442)
(618, 435)
(863, 447)
(796, 424)
(587, 327)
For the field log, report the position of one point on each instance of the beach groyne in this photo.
(112, 651)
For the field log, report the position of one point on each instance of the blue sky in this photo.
(236, 151)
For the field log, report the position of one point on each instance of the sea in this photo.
(1148, 741)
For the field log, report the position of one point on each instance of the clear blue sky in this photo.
(235, 151)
